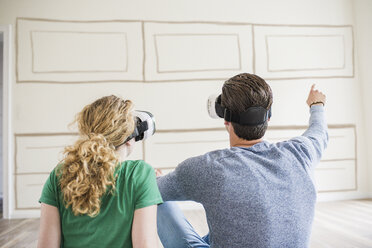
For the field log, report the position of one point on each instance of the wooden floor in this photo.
(340, 224)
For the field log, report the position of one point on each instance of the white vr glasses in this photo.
(250, 117)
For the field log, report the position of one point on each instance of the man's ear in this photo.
(228, 125)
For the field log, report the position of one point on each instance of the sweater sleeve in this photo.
(189, 181)
(310, 146)
(170, 188)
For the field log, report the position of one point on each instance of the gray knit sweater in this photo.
(261, 196)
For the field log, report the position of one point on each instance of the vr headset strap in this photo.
(140, 129)
(251, 117)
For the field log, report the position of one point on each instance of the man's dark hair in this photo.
(241, 92)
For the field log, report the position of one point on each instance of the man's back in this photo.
(255, 201)
(260, 196)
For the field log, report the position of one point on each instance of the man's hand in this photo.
(315, 97)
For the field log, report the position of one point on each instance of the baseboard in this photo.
(25, 214)
(343, 196)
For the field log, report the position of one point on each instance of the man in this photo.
(255, 194)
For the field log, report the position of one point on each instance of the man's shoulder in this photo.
(209, 157)
(294, 143)
(205, 163)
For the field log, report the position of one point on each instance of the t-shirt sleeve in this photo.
(49, 195)
(146, 191)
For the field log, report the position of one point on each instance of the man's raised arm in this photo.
(315, 139)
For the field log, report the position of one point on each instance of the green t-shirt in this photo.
(135, 188)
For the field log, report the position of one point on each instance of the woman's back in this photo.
(95, 197)
(135, 188)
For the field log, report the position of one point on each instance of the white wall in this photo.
(363, 19)
(45, 102)
(1, 115)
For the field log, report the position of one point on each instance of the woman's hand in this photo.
(158, 173)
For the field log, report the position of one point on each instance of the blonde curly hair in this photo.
(87, 171)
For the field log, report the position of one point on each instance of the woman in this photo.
(96, 198)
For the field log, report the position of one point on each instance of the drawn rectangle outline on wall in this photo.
(20, 181)
(125, 68)
(25, 68)
(157, 54)
(302, 69)
(342, 172)
(262, 55)
(240, 59)
(36, 173)
(24, 144)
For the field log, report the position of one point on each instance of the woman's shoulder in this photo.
(136, 172)
(135, 167)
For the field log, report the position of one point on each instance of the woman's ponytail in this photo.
(89, 165)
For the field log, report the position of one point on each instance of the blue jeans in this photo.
(175, 231)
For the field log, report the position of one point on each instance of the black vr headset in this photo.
(145, 126)
(250, 117)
